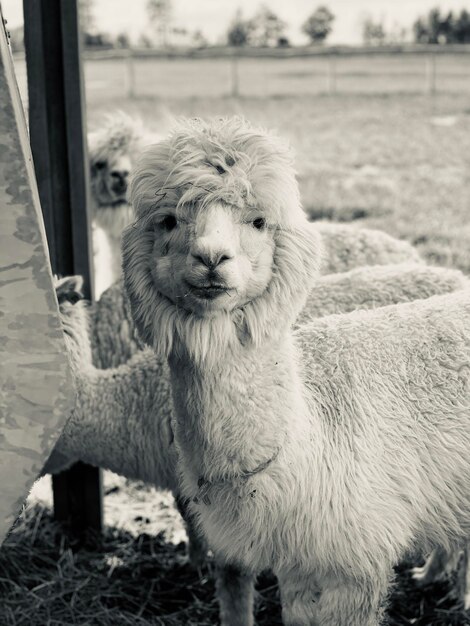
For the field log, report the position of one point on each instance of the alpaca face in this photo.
(220, 253)
(109, 179)
(209, 259)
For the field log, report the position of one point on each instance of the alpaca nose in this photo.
(211, 259)
(214, 238)
(119, 180)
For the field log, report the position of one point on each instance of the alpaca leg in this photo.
(235, 590)
(299, 599)
(463, 578)
(467, 577)
(352, 604)
(439, 565)
(197, 547)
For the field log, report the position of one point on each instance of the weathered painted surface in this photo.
(35, 383)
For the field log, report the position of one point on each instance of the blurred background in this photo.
(374, 95)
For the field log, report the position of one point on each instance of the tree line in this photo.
(266, 29)
(440, 28)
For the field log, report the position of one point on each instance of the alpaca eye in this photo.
(100, 165)
(169, 222)
(259, 223)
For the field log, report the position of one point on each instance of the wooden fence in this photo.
(332, 68)
(219, 72)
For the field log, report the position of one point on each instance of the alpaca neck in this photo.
(234, 414)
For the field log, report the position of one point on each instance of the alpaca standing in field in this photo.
(323, 454)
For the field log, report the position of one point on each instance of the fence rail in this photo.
(135, 73)
(217, 52)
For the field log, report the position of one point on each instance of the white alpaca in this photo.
(323, 454)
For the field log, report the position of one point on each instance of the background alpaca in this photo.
(354, 518)
(112, 149)
(346, 247)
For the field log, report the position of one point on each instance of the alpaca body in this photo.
(370, 462)
(346, 247)
(107, 428)
(221, 441)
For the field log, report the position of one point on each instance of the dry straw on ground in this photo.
(124, 578)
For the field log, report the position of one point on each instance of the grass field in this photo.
(399, 162)
(378, 153)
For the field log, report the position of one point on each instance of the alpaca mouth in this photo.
(110, 201)
(209, 291)
(119, 202)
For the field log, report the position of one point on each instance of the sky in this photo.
(213, 16)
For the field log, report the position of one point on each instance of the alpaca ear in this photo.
(311, 249)
(69, 289)
(300, 251)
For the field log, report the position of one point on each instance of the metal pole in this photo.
(58, 141)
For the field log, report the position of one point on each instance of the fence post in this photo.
(235, 75)
(331, 74)
(58, 142)
(130, 73)
(431, 74)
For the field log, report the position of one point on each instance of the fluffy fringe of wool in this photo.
(257, 170)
